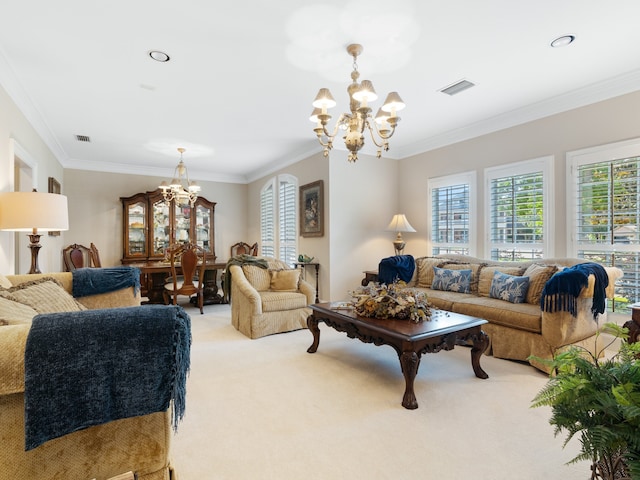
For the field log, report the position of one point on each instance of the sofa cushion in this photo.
(44, 295)
(4, 282)
(486, 277)
(521, 316)
(475, 271)
(285, 280)
(509, 287)
(424, 266)
(258, 277)
(13, 313)
(538, 274)
(452, 280)
(445, 300)
(280, 301)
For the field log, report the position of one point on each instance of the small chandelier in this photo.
(381, 127)
(176, 190)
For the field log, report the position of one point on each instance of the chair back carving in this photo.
(242, 248)
(188, 262)
(78, 256)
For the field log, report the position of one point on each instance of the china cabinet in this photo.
(150, 225)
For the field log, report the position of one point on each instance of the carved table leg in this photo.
(312, 323)
(480, 344)
(409, 361)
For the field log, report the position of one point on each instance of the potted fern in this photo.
(596, 399)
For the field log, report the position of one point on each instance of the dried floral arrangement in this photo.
(393, 301)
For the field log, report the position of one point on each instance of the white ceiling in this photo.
(237, 91)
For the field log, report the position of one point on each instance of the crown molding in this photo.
(12, 85)
(128, 169)
(580, 97)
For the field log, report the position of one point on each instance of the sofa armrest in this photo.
(13, 340)
(241, 286)
(561, 328)
(308, 290)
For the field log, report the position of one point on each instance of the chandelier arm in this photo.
(382, 135)
(373, 137)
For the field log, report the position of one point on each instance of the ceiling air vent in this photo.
(457, 87)
(83, 138)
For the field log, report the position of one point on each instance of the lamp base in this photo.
(35, 248)
(399, 246)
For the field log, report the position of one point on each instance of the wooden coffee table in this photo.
(410, 340)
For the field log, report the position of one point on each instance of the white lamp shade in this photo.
(26, 211)
(399, 223)
(324, 99)
(393, 103)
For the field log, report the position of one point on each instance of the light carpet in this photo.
(267, 409)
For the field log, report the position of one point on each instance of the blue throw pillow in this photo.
(509, 287)
(451, 280)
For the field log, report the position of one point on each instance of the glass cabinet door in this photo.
(182, 222)
(203, 226)
(161, 236)
(135, 219)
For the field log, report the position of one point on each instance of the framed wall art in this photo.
(54, 187)
(312, 209)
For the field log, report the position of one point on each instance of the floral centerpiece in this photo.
(394, 301)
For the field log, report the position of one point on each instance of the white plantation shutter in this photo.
(519, 202)
(278, 218)
(267, 220)
(605, 186)
(450, 219)
(288, 226)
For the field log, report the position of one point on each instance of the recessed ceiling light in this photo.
(563, 41)
(159, 56)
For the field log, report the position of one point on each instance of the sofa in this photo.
(517, 331)
(139, 444)
(268, 300)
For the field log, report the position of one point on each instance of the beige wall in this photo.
(95, 210)
(17, 134)
(597, 124)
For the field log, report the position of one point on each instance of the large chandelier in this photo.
(182, 193)
(361, 94)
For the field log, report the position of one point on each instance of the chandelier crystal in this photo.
(361, 94)
(181, 188)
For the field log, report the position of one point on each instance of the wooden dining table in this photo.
(154, 274)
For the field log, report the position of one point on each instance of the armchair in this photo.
(268, 301)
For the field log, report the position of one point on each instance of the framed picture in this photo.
(54, 187)
(312, 209)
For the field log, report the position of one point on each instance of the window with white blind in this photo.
(278, 218)
(604, 199)
(519, 202)
(452, 214)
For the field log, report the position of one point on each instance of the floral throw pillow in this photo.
(451, 280)
(509, 287)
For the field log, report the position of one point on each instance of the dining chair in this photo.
(241, 248)
(188, 263)
(78, 256)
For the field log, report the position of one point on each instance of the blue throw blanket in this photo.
(92, 281)
(399, 267)
(91, 367)
(561, 292)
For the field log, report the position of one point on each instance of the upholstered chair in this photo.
(269, 300)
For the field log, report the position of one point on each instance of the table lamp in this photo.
(33, 212)
(399, 224)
